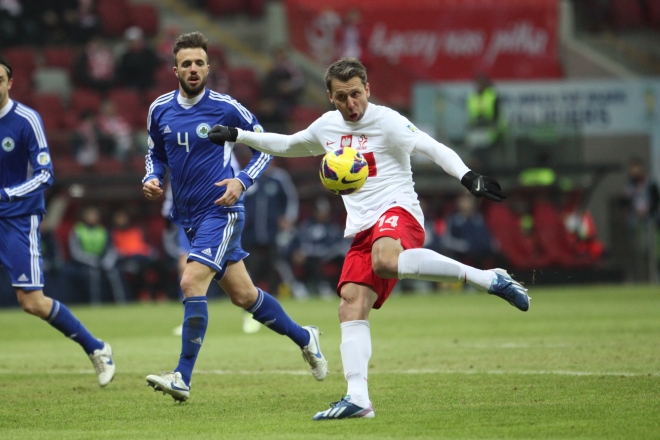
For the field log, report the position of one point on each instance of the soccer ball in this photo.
(344, 171)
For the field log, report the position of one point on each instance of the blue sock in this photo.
(195, 321)
(62, 319)
(270, 313)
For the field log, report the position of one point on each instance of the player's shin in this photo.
(426, 265)
(270, 313)
(355, 354)
(62, 319)
(195, 322)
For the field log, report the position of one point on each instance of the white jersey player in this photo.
(384, 216)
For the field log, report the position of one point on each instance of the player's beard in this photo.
(192, 91)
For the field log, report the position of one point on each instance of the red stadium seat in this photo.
(108, 166)
(302, 116)
(23, 62)
(137, 164)
(554, 239)
(626, 14)
(114, 16)
(244, 86)
(67, 167)
(145, 17)
(217, 57)
(62, 57)
(520, 251)
(225, 7)
(128, 103)
(165, 78)
(22, 92)
(85, 99)
(255, 7)
(125, 98)
(51, 110)
(58, 142)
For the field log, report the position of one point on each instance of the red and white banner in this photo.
(402, 42)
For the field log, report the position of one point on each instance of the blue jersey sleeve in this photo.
(156, 159)
(259, 161)
(34, 139)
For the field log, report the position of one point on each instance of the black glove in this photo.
(220, 134)
(484, 186)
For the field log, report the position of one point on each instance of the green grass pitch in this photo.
(584, 363)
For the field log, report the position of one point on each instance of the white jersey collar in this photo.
(4, 110)
(189, 102)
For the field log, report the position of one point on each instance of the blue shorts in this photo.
(217, 240)
(20, 251)
(182, 241)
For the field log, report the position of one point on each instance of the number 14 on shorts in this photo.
(386, 221)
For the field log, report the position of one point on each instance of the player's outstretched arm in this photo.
(296, 145)
(483, 186)
(151, 189)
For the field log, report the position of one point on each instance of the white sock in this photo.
(424, 264)
(355, 354)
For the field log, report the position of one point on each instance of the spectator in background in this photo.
(271, 206)
(138, 64)
(350, 41)
(467, 237)
(58, 19)
(137, 259)
(95, 66)
(642, 200)
(88, 140)
(484, 120)
(84, 23)
(281, 91)
(218, 79)
(166, 40)
(114, 127)
(92, 255)
(320, 250)
(11, 23)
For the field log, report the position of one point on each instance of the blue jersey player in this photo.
(25, 173)
(208, 205)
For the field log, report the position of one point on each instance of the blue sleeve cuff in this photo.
(245, 180)
(4, 198)
(152, 176)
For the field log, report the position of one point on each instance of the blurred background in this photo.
(556, 99)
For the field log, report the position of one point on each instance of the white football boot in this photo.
(170, 383)
(312, 354)
(103, 364)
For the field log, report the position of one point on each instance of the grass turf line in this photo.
(595, 349)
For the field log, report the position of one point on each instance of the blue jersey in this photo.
(178, 139)
(26, 170)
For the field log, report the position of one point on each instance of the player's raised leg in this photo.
(58, 315)
(427, 265)
(194, 284)
(266, 310)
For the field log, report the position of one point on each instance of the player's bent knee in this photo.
(385, 267)
(31, 304)
(243, 298)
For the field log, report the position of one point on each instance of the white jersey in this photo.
(386, 140)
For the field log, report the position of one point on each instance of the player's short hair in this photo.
(344, 69)
(4, 63)
(192, 40)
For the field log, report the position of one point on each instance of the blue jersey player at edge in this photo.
(208, 204)
(26, 172)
